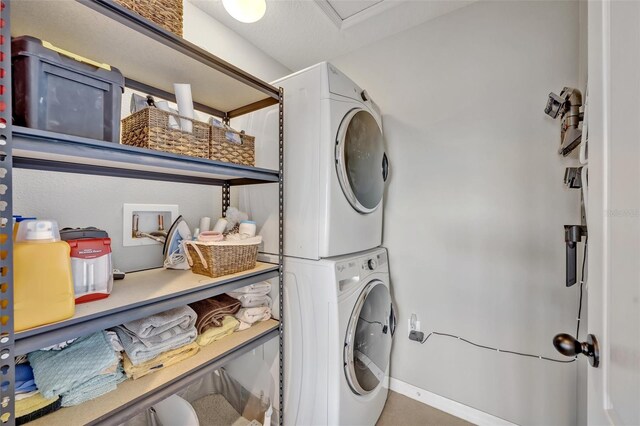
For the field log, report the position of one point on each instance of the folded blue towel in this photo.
(140, 351)
(59, 372)
(24, 381)
(93, 388)
(23, 373)
(146, 338)
(161, 326)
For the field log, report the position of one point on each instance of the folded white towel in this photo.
(248, 316)
(253, 300)
(262, 288)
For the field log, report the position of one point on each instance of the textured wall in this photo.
(206, 32)
(476, 206)
(81, 200)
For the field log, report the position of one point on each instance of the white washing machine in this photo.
(339, 327)
(335, 166)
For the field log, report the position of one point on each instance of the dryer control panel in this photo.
(341, 84)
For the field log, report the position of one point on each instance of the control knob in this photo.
(372, 264)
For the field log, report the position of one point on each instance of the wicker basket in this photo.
(217, 260)
(150, 128)
(165, 13)
(224, 150)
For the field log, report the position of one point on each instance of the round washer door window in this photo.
(361, 162)
(368, 341)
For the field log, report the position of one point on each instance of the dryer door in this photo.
(368, 341)
(361, 162)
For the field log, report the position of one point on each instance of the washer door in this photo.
(367, 345)
(361, 162)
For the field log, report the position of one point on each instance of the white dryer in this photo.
(335, 166)
(339, 327)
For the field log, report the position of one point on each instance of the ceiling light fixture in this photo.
(247, 11)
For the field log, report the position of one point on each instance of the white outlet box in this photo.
(413, 325)
(147, 221)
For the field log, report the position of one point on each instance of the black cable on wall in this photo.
(543, 358)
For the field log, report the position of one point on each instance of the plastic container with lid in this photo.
(43, 287)
(62, 92)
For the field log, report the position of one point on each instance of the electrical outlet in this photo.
(414, 324)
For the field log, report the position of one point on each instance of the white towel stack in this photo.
(256, 304)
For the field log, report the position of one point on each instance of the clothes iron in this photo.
(173, 250)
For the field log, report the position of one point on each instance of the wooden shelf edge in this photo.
(44, 150)
(105, 315)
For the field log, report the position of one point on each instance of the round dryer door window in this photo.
(361, 162)
(368, 341)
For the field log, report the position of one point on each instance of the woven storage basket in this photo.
(222, 259)
(230, 152)
(149, 128)
(165, 13)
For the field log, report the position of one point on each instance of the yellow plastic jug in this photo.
(42, 282)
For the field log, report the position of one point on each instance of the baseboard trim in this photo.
(454, 408)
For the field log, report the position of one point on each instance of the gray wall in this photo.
(475, 208)
(80, 200)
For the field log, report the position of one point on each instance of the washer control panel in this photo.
(374, 262)
(353, 271)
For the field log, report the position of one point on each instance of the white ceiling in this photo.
(301, 33)
(346, 9)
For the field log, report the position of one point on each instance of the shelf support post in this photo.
(226, 198)
(7, 361)
(281, 245)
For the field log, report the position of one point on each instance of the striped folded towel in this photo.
(162, 361)
(154, 328)
(138, 352)
(149, 337)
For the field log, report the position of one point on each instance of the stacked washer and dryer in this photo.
(339, 314)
